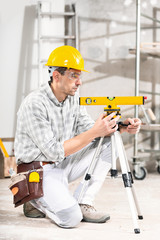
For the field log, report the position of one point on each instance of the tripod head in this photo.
(112, 103)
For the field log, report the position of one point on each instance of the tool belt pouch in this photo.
(26, 186)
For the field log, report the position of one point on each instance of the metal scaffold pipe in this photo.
(137, 65)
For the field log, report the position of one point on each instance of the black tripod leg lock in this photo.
(88, 176)
(114, 173)
(126, 180)
(130, 176)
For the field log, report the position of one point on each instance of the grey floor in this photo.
(112, 198)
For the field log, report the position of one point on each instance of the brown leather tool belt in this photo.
(27, 184)
(24, 167)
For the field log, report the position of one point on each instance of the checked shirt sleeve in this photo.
(85, 122)
(38, 127)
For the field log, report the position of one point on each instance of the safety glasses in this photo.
(74, 76)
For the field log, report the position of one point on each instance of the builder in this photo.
(56, 134)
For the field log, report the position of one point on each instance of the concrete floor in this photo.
(112, 198)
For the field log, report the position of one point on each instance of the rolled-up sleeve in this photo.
(84, 122)
(38, 127)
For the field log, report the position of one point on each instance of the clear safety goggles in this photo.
(75, 76)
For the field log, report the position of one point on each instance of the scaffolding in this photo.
(149, 49)
(70, 36)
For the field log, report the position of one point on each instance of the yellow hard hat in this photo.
(66, 56)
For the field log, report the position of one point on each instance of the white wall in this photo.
(18, 55)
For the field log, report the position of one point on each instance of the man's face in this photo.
(70, 81)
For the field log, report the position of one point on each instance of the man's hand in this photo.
(105, 125)
(133, 127)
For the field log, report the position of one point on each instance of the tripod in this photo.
(117, 143)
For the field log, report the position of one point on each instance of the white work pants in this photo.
(58, 203)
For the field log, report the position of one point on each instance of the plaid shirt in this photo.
(43, 124)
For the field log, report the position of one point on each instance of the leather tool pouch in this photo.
(26, 186)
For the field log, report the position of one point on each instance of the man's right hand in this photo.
(105, 125)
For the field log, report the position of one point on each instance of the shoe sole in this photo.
(34, 216)
(101, 220)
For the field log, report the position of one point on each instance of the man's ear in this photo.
(56, 75)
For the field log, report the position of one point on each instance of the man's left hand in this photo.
(133, 127)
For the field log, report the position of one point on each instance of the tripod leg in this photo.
(140, 216)
(90, 169)
(114, 172)
(126, 180)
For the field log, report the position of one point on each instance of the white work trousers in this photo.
(58, 203)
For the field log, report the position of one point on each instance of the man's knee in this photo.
(70, 217)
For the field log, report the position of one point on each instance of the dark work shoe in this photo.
(90, 214)
(32, 212)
